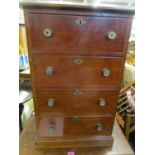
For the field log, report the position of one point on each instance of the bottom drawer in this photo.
(65, 126)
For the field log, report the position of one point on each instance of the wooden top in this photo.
(81, 4)
(120, 146)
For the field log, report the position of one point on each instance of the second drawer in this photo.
(76, 101)
(76, 71)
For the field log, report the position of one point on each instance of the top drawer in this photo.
(49, 33)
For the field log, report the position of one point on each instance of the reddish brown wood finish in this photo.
(69, 42)
(68, 74)
(67, 103)
(75, 142)
(66, 127)
(91, 36)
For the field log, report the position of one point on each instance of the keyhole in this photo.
(80, 22)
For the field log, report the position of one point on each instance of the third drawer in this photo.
(76, 101)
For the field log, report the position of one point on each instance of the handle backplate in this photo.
(111, 35)
(106, 72)
(51, 102)
(49, 71)
(47, 32)
(52, 127)
(102, 102)
(99, 127)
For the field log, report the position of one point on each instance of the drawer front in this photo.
(68, 126)
(76, 101)
(76, 72)
(76, 34)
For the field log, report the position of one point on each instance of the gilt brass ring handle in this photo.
(111, 35)
(102, 102)
(49, 71)
(51, 102)
(99, 127)
(106, 72)
(47, 32)
(52, 127)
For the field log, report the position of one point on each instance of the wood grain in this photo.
(66, 126)
(67, 74)
(88, 102)
(89, 37)
(70, 42)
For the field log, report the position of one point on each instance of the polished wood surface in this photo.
(88, 101)
(88, 74)
(81, 4)
(78, 55)
(94, 37)
(27, 146)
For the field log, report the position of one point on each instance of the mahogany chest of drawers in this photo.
(76, 58)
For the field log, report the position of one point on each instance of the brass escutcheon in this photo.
(77, 92)
(78, 61)
(75, 119)
(80, 22)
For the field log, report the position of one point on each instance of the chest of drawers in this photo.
(77, 57)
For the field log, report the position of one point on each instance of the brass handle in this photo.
(102, 102)
(49, 71)
(99, 127)
(77, 92)
(112, 35)
(78, 61)
(76, 119)
(51, 102)
(47, 32)
(106, 72)
(52, 127)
